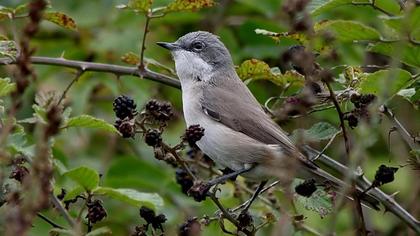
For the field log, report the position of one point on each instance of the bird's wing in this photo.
(233, 105)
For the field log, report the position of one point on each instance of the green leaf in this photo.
(320, 131)
(131, 196)
(130, 58)
(348, 31)
(72, 194)
(389, 81)
(86, 177)
(6, 87)
(409, 54)
(8, 49)
(256, 69)
(60, 19)
(317, 7)
(184, 5)
(100, 231)
(62, 169)
(88, 121)
(320, 201)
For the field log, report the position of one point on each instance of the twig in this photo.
(102, 67)
(49, 221)
(143, 43)
(326, 146)
(62, 210)
(406, 136)
(372, 4)
(75, 79)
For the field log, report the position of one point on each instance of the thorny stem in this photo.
(347, 146)
(143, 43)
(76, 78)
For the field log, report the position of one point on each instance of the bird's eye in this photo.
(198, 46)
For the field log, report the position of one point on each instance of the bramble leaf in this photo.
(88, 121)
(131, 196)
(86, 177)
(185, 5)
(60, 19)
(388, 81)
(6, 87)
(347, 31)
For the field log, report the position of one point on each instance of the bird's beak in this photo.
(169, 46)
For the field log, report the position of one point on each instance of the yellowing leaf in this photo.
(60, 19)
(256, 69)
(140, 5)
(277, 36)
(130, 58)
(193, 5)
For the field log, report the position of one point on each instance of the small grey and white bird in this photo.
(238, 133)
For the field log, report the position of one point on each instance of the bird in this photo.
(239, 134)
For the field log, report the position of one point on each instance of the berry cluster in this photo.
(151, 218)
(361, 103)
(161, 111)
(307, 188)
(245, 219)
(384, 175)
(125, 111)
(190, 228)
(193, 134)
(96, 212)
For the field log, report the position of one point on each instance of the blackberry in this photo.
(366, 99)
(96, 212)
(307, 188)
(199, 191)
(352, 120)
(245, 219)
(153, 138)
(183, 179)
(190, 228)
(124, 107)
(165, 112)
(193, 134)
(126, 127)
(18, 173)
(147, 214)
(384, 175)
(153, 106)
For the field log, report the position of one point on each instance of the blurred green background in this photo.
(106, 33)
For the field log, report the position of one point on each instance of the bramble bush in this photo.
(93, 142)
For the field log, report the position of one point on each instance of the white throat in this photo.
(191, 68)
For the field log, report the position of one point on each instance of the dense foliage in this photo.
(93, 141)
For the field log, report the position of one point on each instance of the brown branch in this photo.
(406, 136)
(75, 79)
(143, 43)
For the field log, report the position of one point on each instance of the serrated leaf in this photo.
(184, 5)
(347, 31)
(72, 194)
(8, 49)
(317, 7)
(256, 69)
(100, 231)
(60, 19)
(86, 177)
(130, 58)
(409, 54)
(6, 87)
(388, 81)
(319, 132)
(320, 201)
(140, 5)
(132, 196)
(87, 121)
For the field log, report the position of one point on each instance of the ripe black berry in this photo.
(193, 134)
(352, 119)
(152, 137)
(126, 127)
(96, 212)
(245, 219)
(152, 106)
(18, 173)
(183, 179)
(366, 99)
(384, 175)
(165, 112)
(190, 228)
(307, 188)
(124, 107)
